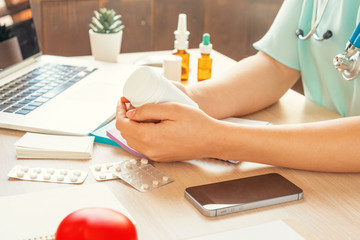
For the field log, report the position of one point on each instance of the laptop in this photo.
(57, 95)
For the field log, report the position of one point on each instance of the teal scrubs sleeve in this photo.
(280, 42)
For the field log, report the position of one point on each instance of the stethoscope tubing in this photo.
(355, 37)
(315, 22)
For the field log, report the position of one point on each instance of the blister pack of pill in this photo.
(136, 172)
(47, 174)
(141, 175)
(102, 171)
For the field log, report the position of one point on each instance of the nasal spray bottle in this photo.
(181, 45)
(205, 62)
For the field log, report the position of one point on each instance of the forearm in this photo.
(323, 146)
(250, 85)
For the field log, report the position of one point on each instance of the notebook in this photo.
(53, 94)
(101, 136)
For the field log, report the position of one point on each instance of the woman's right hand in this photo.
(167, 131)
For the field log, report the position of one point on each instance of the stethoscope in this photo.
(348, 63)
(314, 24)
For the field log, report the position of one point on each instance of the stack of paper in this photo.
(101, 136)
(33, 145)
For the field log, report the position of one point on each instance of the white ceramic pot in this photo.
(105, 46)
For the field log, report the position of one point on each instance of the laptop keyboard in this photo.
(31, 90)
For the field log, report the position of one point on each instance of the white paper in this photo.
(273, 230)
(55, 142)
(34, 145)
(40, 213)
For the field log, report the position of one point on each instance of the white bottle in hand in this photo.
(145, 85)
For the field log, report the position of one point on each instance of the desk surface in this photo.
(330, 208)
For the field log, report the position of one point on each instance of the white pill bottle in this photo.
(146, 85)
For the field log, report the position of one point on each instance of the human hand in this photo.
(166, 131)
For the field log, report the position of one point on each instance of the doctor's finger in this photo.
(125, 125)
(121, 110)
(162, 111)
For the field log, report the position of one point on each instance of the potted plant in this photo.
(10, 52)
(106, 35)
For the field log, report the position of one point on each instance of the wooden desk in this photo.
(330, 208)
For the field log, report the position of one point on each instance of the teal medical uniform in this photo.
(323, 84)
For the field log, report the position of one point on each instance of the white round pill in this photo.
(144, 161)
(73, 178)
(60, 177)
(77, 173)
(46, 176)
(128, 165)
(20, 174)
(109, 165)
(102, 176)
(24, 169)
(165, 178)
(37, 170)
(33, 175)
(145, 186)
(118, 169)
(50, 171)
(63, 172)
(133, 161)
(155, 182)
(97, 168)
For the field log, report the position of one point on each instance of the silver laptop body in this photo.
(75, 107)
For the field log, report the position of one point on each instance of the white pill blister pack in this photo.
(136, 172)
(47, 174)
(102, 171)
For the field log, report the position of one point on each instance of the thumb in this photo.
(154, 112)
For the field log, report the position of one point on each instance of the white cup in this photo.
(172, 67)
(145, 85)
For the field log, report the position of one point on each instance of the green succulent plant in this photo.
(106, 21)
(5, 33)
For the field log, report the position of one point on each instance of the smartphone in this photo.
(242, 194)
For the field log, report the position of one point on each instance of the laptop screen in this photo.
(24, 42)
